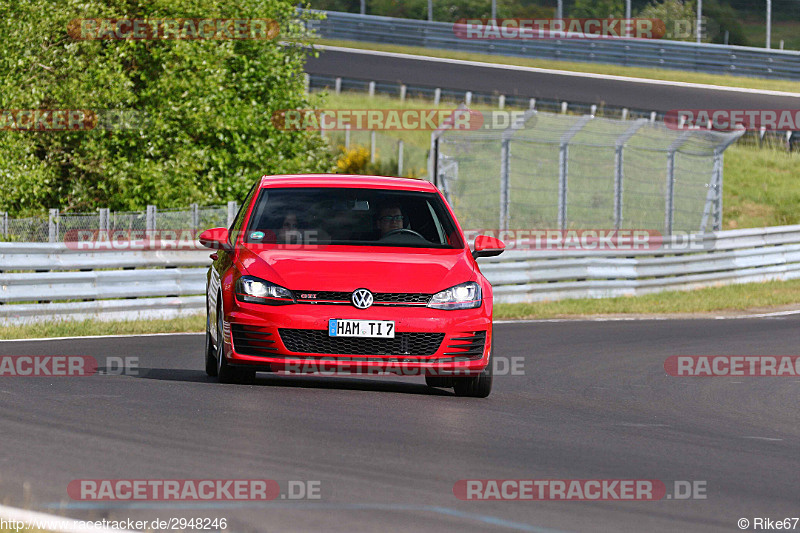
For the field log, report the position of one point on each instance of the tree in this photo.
(679, 18)
(203, 107)
(598, 9)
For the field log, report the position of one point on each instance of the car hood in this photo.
(348, 268)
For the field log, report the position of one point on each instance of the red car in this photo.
(358, 274)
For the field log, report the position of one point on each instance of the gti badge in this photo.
(362, 298)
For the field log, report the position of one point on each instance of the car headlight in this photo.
(464, 296)
(258, 291)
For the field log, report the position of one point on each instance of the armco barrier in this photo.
(709, 58)
(115, 285)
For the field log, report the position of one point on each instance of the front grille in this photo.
(252, 340)
(318, 341)
(468, 344)
(381, 298)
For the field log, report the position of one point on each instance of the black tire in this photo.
(225, 372)
(439, 382)
(211, 356)
(479, 386)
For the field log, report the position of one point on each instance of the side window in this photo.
(238, 222)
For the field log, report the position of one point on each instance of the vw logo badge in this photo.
(362, 298)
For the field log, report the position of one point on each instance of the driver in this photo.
(390, 218)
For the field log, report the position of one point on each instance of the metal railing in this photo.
(61, 226)
(677, 55)
(116, 285)
(555, 171)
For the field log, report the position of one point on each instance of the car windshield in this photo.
(360, 217)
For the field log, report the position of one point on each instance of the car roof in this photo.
(347, 181)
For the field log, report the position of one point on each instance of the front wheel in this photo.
(439, 382)
(211, 358)
(479, 386)
(225, 372)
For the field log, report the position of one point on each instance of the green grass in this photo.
(749, 296)
(761, 187)
(597, 68)
(789, 31)
(94, 327)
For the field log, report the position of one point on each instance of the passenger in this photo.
(289, 232)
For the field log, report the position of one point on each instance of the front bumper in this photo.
(293, 338)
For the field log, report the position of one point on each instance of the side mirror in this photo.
(215, 238)
(486, 246)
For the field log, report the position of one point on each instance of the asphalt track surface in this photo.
(569, 88)
(594, 403)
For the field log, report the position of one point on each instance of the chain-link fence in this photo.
(556, 171)
(63, 226)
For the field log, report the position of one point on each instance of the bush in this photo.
(207, 134)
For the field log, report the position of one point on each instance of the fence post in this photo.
(717, 224)
(372, 147)
(468, 98)
(400, 157)
(232, 208)
(4, 223)
(338, 85)
(371, 89)
(437, 96)
(669, 209)
(150, 218)
(619, 169)
(195, 216)
(563, 168)
(104, 215)
(505, 156)
(52, 226)
(505, 167)
(403, 93)
(501, 101)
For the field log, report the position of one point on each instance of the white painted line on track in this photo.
(763, 438)
(611, 77)
(644, 318)
(50, 522)
(102, 336)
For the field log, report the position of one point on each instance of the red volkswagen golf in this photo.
(356, 274)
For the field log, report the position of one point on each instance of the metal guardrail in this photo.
(677, 55)
(165, 284)
(724, 257)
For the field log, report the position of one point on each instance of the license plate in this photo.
(338, 327)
